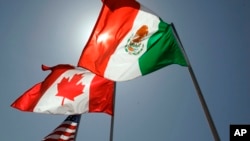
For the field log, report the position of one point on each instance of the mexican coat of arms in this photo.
(134, 44)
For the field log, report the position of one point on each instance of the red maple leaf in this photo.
(69, 88)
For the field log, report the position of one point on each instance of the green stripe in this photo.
(162, 50)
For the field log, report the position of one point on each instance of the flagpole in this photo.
(78, 126)
(198, 90)
(113, 116)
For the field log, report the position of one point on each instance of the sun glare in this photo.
(103, 37)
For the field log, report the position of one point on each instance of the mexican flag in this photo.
(128, 41)
(68, 90)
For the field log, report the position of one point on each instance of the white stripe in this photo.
(60, 137)
(51, 104)
(123, 66)
(67, 137)
(65, 130)
(70, 122)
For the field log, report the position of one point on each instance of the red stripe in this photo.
(30, 98)
(114, 21)
(101, 95)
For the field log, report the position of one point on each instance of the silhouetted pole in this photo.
(113, 117)
(77, 127)
(198, 90)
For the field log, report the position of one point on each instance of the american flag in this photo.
(66, 131)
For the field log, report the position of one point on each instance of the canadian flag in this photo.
(68, 90)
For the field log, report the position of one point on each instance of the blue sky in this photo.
(160, 106)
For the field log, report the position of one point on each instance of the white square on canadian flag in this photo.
(80, 103)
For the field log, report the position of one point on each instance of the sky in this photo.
(161, 106)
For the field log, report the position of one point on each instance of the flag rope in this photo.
(198, 90)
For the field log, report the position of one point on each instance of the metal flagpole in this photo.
(198, 90)
(77, 127)
(113, 117)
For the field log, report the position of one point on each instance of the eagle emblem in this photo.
(134, 44)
